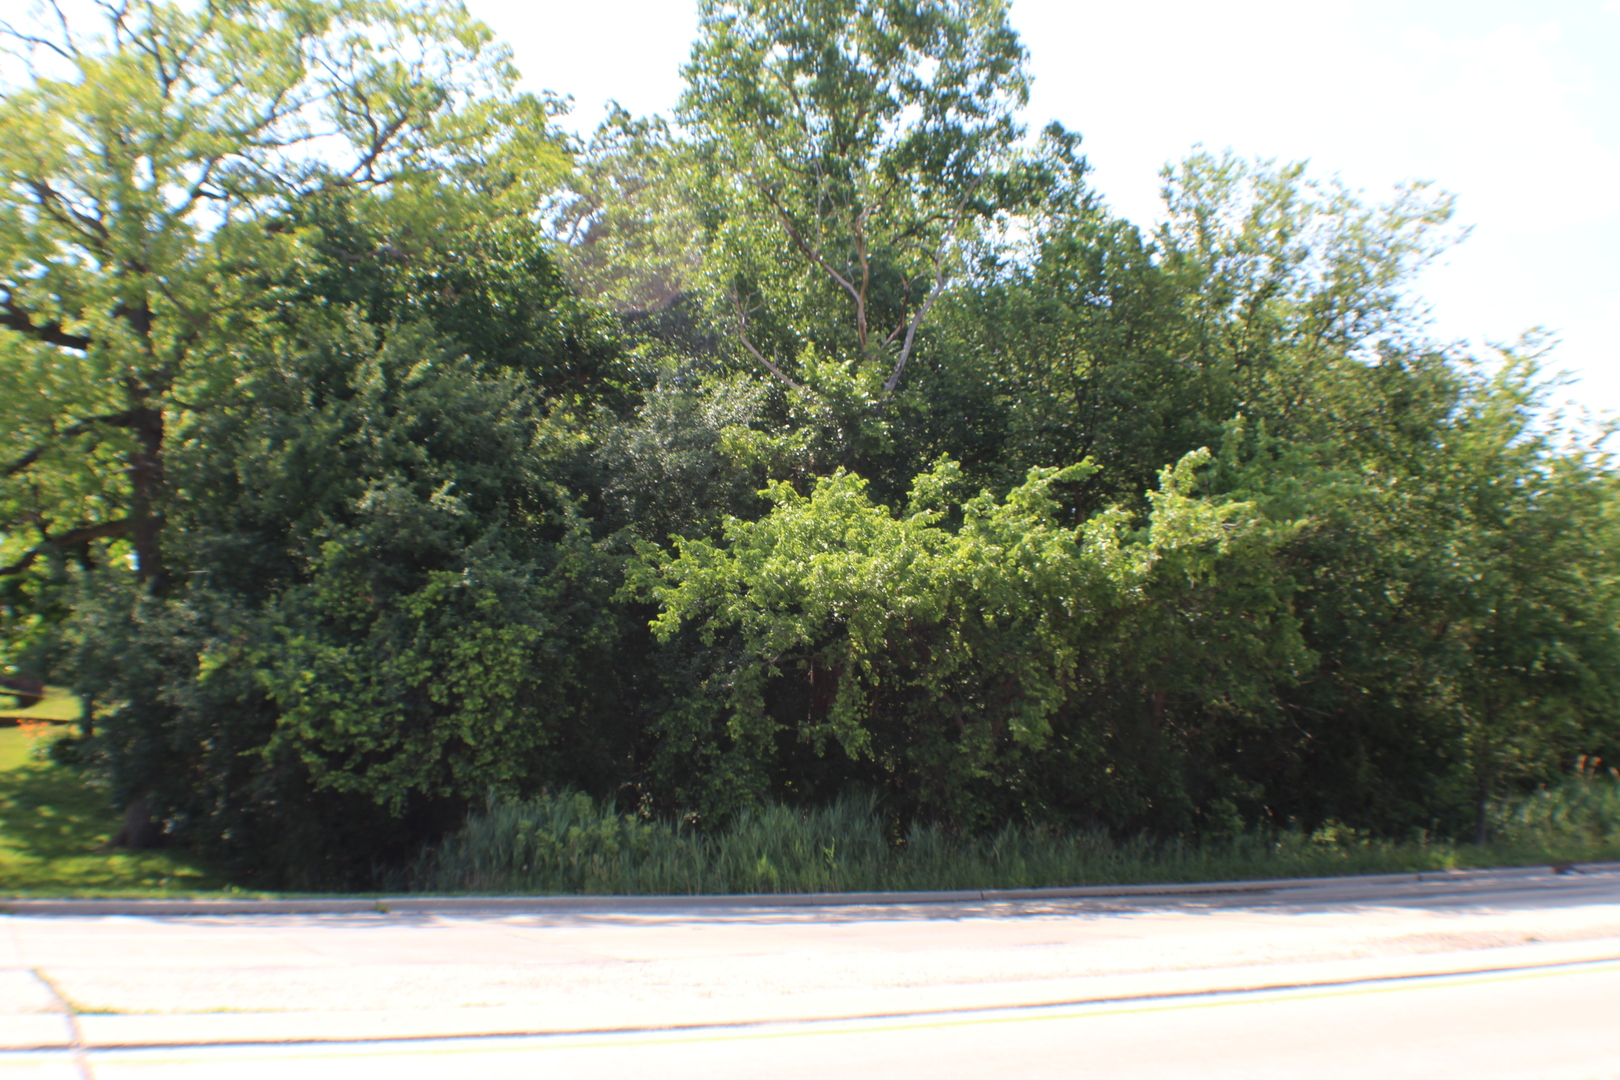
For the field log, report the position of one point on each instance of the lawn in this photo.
(54, 828)
(58, 705)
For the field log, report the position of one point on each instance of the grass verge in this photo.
(570, 844)
(54, 828)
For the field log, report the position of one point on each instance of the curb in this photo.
(427, 905)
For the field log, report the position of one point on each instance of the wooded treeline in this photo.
(370, 446)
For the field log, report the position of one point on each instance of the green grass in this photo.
(54, 827)
(58, 706)
(570, 844)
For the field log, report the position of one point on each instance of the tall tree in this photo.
(146, 169)
(1530, 644)
(855, 147)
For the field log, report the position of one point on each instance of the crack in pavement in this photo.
(76, 1043)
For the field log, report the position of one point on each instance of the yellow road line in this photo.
(508, 1044)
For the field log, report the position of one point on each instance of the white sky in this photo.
(1512, 105)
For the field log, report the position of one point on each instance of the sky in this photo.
(1513, 106)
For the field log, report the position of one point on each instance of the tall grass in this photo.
(570, 844)
(1570, 821)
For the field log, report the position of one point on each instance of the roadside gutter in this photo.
(496, 905)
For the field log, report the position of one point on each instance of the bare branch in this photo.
(815, 256)
(916, 321)
(66, 47)
(933, 292)
(68, 41)
(742, 335)
(7, 30)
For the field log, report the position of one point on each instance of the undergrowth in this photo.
(569, 843)
(54, 829)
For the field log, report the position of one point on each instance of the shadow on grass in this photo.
(54, 828)
(58, 705)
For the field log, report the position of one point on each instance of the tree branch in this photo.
(7, 30)
(25, 461)
(933, 292)
(815, 256)
(916, 321)
(742, 335)
(71, 538)
(866, 275)
(15, 318)
(124, 419)
(54, 203)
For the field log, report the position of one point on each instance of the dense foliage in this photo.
(569, 843)
(371, 450)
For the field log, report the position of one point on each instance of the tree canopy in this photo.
(151, 165)
(368, 448)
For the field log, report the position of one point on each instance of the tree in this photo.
(1263, 292)
(1530, 658)
(938, 660)
(628, 233)
(146, 172)
(854, 150)
(389, 605)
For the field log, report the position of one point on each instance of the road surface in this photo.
(1486, 974)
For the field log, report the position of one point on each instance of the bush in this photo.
(1583, 809)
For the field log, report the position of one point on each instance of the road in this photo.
(1486, 974)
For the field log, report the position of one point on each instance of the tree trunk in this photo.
(146, 498)
(1483, 773)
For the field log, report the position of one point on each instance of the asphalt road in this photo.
(1484, 974)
